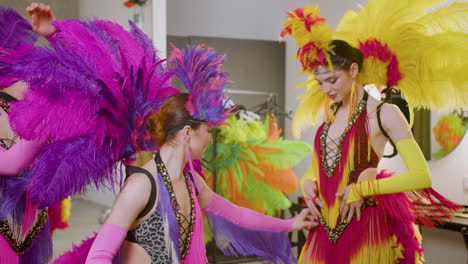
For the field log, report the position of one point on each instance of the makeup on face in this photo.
(335, 84)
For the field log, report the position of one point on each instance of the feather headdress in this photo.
(91, 93)
(312, 35)
(422, 54)
(200, 70)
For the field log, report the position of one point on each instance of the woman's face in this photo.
(200, 138)
(336, 84)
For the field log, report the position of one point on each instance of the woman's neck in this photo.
(174, 158)
(360, 94)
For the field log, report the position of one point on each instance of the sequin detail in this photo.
(335, 233)
(329, 170)
(19, 247)
(181, 219)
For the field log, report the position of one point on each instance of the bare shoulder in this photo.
(131, 199)
(394, 122)
(136, 189)
(392, 115)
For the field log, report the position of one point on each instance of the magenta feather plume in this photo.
(75, 37)
(200, 70)
(91, 94)
(78, 253)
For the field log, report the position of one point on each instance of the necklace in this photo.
(330, 169)
(19, 247)
(181, 218)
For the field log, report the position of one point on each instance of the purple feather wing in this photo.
(91, 95)
(234, 240)
(16, 39)
(66, 167)
(15, 31)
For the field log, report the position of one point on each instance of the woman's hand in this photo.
(41, 18)
(311, 199)
(303, 221)
(348, 210)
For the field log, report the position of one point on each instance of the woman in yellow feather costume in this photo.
(365, 215)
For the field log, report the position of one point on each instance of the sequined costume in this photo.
(149, 234)
(25, 234)
(400, 47)
(380, 236)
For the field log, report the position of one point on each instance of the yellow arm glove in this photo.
(417, 177)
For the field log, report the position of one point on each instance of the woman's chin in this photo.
(197, 156)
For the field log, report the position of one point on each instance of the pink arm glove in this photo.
(106, 244)
(246, 217)
(18, 157)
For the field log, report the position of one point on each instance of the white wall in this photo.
(116, 11)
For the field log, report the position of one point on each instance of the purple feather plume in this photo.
(165, 209)
(12, 190)
(127, 44)
(200, 71)
(234, 240)
(55, 72)
(91, 94)
(15, 31)
(78, 39)
(144, 41)
(66, 167)
(16, 39)
(40, 251)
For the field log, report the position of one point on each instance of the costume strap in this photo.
(130, 170)
(5, 100)
(388, 99)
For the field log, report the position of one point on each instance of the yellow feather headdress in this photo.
(312, 35)
(422, 54)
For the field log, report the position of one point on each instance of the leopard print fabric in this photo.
(150, 235)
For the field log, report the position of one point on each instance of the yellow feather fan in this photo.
(430, 49)
(311, 106)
